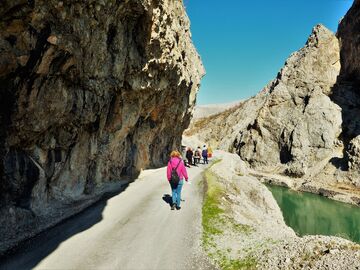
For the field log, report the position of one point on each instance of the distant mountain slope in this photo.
(211, 109)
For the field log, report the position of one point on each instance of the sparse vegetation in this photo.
(246, 263)
(215, 222)
(211, 212)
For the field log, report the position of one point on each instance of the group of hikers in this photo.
(177, 173)
(194, 157)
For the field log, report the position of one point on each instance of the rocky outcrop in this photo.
(354, 154)
(349, 34)
(298, 124)
(346, 93)
(91, 92)
(292, 124)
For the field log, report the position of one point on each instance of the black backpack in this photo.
(174, 179)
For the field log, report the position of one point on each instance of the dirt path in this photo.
(133, 230)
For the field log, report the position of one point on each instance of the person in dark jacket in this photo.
(189, 156)
(205, 154)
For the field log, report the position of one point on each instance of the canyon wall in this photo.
(292, 123)
(346, 93)
(305, 124)
(298, 124)
(91, 93)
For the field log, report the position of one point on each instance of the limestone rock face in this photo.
(292, 124)
(298, 124)
(251, 202)
(349, 36)
(91, 92)
(353, 154)
(346, 93)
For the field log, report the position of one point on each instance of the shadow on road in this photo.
(168, 199)
(31, 252)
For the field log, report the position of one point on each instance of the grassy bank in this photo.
(218, 224)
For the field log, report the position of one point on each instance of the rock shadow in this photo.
(31, 252)
(345, 92)
(340, 163)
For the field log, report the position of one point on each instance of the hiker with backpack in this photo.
(176, 173)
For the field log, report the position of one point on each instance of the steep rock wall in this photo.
(292, 124)
(349, 36)
(91, 92)
(298, 124)
(346, 93)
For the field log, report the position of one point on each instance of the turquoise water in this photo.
(308, 213)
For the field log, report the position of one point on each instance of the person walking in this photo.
(189, 156)
(205, 154)
(209, 151)
(197, 155)
(177, 164)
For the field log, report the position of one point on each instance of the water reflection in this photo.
(312, 214)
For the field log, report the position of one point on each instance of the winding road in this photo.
(133, 230)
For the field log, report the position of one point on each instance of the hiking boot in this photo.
(178, 207)
(173, 207)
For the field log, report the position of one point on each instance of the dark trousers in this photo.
(190, 160)
(205, 159)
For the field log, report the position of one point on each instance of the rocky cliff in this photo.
(346, 92)
(291, 123)
(305, 124)
(91, 93)
(298, 121)
(348, 34)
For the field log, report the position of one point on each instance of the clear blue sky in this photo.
(244, 43)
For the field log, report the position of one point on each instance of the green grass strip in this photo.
(214, 221)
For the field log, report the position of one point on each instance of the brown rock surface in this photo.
(91, 92)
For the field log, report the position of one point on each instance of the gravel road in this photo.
(133, 230)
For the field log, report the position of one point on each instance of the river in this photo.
(308, 214)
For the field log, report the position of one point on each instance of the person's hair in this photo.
(175, 153)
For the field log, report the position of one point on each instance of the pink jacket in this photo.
(181, 170)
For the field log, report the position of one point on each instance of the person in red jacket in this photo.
(176, 162)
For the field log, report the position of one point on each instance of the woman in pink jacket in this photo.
(176, 162)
